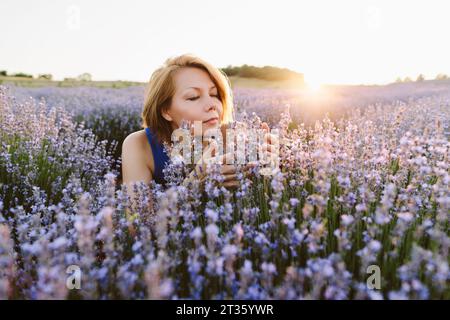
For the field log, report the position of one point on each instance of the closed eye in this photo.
(195, 98)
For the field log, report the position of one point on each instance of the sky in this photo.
(330, 42)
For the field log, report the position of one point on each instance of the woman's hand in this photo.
(269, 151)
(229, 171)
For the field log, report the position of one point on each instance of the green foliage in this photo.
(441, 76)
(45, 76)
(265, 73)
(22, 75)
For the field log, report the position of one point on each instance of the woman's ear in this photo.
(166, 116)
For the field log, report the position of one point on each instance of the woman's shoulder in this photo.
(136, 144)
(136, 139)
(137, 157)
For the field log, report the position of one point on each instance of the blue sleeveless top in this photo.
(160, 156)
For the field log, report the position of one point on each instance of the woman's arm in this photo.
(134, 166)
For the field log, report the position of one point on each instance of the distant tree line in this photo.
(421, 77)
(46, 76)
(82, 77)
(264, 73)
(20, 74)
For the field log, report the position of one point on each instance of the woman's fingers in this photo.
(230, 177)
(231, 184)
(270, 138)
(265, 126)
(267, 147)
(228, 169)
(250, 165)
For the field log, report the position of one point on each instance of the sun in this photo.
(312, 90)
(313, 86)
(315, 91)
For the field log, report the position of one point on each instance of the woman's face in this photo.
(195, 99)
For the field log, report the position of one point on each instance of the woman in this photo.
(184, 88)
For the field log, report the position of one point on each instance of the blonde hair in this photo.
(161, 88)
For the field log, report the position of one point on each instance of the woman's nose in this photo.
(211, 105)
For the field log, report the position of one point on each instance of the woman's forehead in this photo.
(193, 78)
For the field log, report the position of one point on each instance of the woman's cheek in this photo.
(186, 113)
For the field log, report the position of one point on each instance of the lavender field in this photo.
(364, 183)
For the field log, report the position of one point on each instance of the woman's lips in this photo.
(211, 121)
